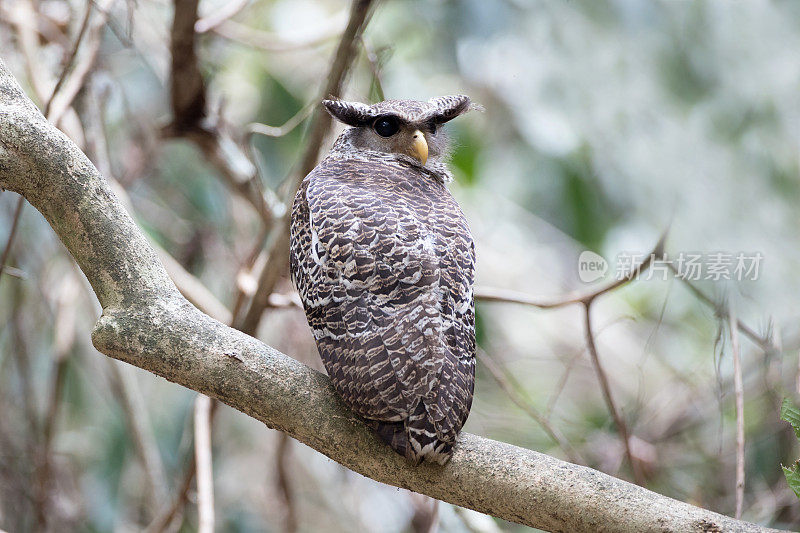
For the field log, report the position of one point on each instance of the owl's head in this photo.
(406, 127)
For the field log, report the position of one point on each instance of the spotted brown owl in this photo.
(384, 262)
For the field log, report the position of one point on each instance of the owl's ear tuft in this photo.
(351, 113)
(449, 107)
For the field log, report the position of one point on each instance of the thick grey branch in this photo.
(147, 323)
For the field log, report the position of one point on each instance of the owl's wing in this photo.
(387, 287)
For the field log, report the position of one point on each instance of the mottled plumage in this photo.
(384, 262)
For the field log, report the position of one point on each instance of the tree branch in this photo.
(738, 391)
(147, 323)
(188, 100)
(202, 454)
(602, 377)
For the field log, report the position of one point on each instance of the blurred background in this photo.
(605, 123)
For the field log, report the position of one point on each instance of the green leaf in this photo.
(791, 414)
(793, 477)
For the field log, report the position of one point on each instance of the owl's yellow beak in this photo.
(419, 147)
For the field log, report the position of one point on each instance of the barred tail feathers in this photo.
(415, 438)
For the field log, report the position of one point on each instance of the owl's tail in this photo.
(414, 438)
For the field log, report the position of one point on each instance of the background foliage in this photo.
(606, 121)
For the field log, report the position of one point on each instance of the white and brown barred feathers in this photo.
(384, 262)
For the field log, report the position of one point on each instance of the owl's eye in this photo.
(386, 126)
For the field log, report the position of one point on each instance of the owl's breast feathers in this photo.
(384, 262)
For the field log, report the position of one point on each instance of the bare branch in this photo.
(797, 381)
(722, 311)
(285, 483)
(12, 234)
(64, 94)
(15, 272)
(622, 427)
(147, 323)
(164, 519)
(527, 408)
(202, 453)
(213, 20)
(426, 514)
(23, 18)
(374, 66)
(502, 295)
(237, 171)
(738, 391)
(186, 82)
(284, 129)
(130, 398)
(71, 57)
(189, 120)
(266, 41)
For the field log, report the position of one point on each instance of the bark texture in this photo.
(147, 323)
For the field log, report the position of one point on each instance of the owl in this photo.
(384, 262)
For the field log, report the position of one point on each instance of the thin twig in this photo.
(282, 130)
(284, 482)
(164, 519)
(237, 171)
(586, 299)
(246, 281)
(559, 388)
(476, 522)
(202, 453)
(426, 513)
(71, 57)
(23, 17)
(797, 385)
(29, 447)
(61, 101)
(14, 272)
(12, 234)
(738, 390)
(606, 388)
(721, 310)
(22, 358)
(228, 10)
(64, 339)
(268, 42)
(139, 428)
(512, 391)
(502, 295)
(374, 66)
